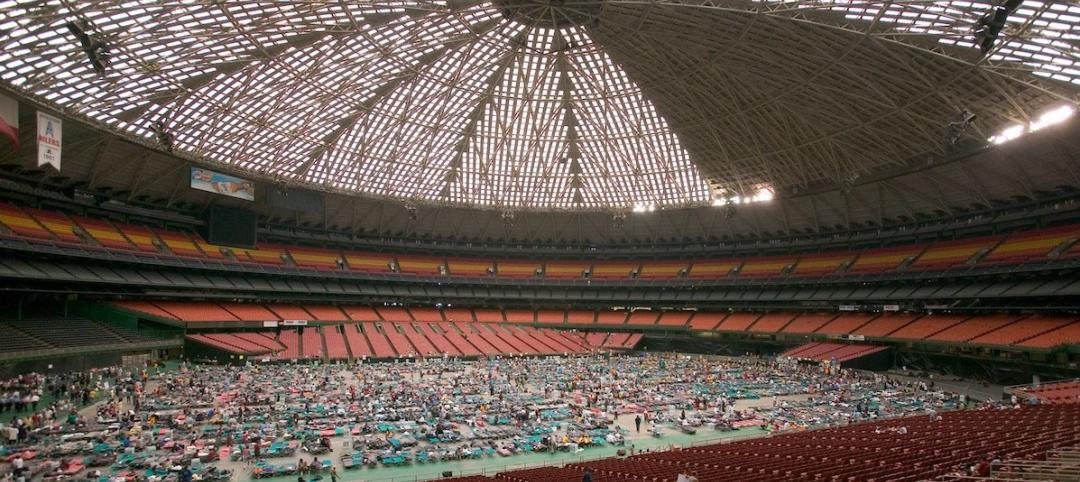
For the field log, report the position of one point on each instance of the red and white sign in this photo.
(9, 119)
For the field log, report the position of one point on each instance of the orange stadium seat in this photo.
(662, 269)
(438, 340)
(145, 307)
(196, 312)
(613, 269)
(643, 317)
(974, 327)
(581, 317)
(249, 311)
(426, 314)
(469, 267)
(393, 314)
(822, 264)
(559, 317)
(808, 322)
(369, 262)
(927, 326)
(210, 250)
(458, 314)
(609, 317)
(290, 338)
(713, 269)
(1068, 334)
(883, 260)
(21, 223)
(398, 340)
(267, 254)
(358, 343)
(424, 265)
(1035, 245)
(706, 320)
(674, 318)
(312, 342)
(737, 321)
(489, 316)
(289, 312)
(564, 269)
(765, 267)
(326, 312)
(141, 237)
(380, 346)
(772, 322)
(360, 313)
(57, 223)
(845, 323)
(948, 254)
(885, 324)
(517, 268)
(179, 243)
(423, 345)
(103, 232)
(520, 316)
(336, 347)
(315, 258)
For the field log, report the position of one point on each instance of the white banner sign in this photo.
(49, 135)
(890, 307)
(294, 322)
(270, 324)
(849, 307)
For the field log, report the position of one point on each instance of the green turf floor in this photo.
(491, 465)
(47, 398)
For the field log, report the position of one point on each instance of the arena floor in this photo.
(782, 392)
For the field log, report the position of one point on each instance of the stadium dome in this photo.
(547, 104)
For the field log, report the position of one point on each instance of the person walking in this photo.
(637, 423)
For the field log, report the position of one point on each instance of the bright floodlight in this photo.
(1055, 116)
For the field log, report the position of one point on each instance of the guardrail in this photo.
(84, 350)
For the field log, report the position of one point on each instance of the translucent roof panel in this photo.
(1039, 35)
(526, 104)
(448, 102)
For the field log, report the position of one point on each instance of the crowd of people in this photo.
(249, 417)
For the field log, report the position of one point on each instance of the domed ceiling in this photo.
(546, 104)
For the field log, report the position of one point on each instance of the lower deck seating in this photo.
(1065, 392)
(336, 347)
(290, 339)
(1065, 335)
(1036, 332)
(68, 332)
(876, 451)
(38, 334)
(1023, 330)
(243, 345)
(12, 340)
(865, 452)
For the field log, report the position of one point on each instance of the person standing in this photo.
(637, 423)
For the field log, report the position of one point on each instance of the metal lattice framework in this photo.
(550, 104)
